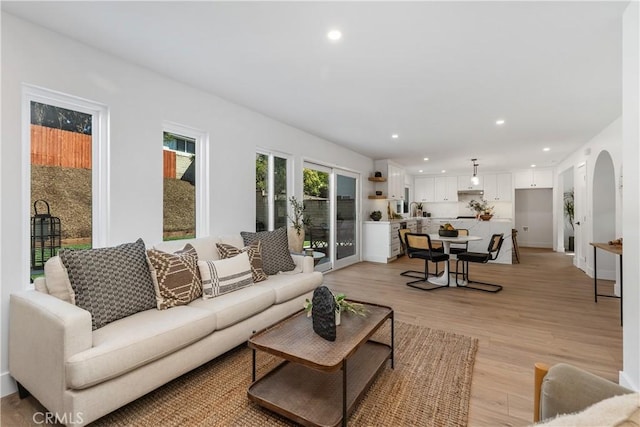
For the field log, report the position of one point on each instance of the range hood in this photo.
(470, 192)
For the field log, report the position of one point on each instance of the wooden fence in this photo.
(169, 164)
(57, 147)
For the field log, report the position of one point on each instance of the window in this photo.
(179, 143)
(184, 171)
(66, 170)
(271, 191)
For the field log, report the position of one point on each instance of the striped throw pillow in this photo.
(225, 275)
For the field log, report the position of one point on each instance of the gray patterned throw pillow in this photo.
(110, 283)
(275, 249)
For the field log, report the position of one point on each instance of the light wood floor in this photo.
(545, 313)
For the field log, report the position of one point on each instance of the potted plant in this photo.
(418, 208)
(569, 207)
(341, 305)
(376, 215)
(295, 233)
(482, 209)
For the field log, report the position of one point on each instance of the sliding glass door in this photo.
(331, 204)
(346, 214)
(317, 208)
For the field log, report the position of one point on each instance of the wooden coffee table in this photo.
(319, 381)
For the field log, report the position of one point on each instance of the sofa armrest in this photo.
(304, 262)
(44, 332)
(566, 389)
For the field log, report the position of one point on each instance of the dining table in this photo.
(445, 277)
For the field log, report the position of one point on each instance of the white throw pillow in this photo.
(607, 413)
(226, 275)
(58, 282)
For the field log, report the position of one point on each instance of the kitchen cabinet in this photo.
(498, 187)
(380, 241)
(446, 188)
(394, 173)
(424, 189)
(533, 178)
(464, 183)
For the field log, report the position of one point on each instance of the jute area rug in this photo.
(430, 386)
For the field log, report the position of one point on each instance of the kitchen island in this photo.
(380, 241)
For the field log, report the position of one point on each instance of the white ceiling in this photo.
(439, 74)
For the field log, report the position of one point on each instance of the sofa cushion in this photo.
(57, 280)
(236, 306)
(225, 275)
(275, 249)
(176, 277)
(110, 283)
(136, 340)
(254, 251)
(289, 286)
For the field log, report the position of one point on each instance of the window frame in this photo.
(202, 173)
(271, 155)
(100, 196)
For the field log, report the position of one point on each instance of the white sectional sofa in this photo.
(82, 374)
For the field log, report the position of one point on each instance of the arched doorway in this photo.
(604, 212)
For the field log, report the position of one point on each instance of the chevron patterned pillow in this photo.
(176, 276)
(254, 251)
(110, 283)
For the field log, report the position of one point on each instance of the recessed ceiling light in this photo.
(394, 136)
(546, 149)
(420, 171)
(533, 166)
(425, 159)
(500, 122)
(334, 35)
(443, 171)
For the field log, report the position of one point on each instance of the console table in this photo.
(614, 249)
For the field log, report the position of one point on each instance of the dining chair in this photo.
(479, 257)
(403, 243)
(458, 248)
(419, 246)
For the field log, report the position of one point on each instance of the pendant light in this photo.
(474, 179)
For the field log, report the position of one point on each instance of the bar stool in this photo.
(516, 251)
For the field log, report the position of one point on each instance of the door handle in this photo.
(577, 222)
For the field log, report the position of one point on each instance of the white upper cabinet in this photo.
(424, 189)
(395, 178)
(533, 178)
(498, 187)
(446, 189)
(464, 183)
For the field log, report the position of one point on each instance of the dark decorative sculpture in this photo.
(324, 313)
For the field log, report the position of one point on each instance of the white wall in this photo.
(604, 214)
(534, 217)
(139, 102)
(630, 375)
(609, 140)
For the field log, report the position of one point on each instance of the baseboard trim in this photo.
(625, 381)
(538, 245)
(7, 384)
